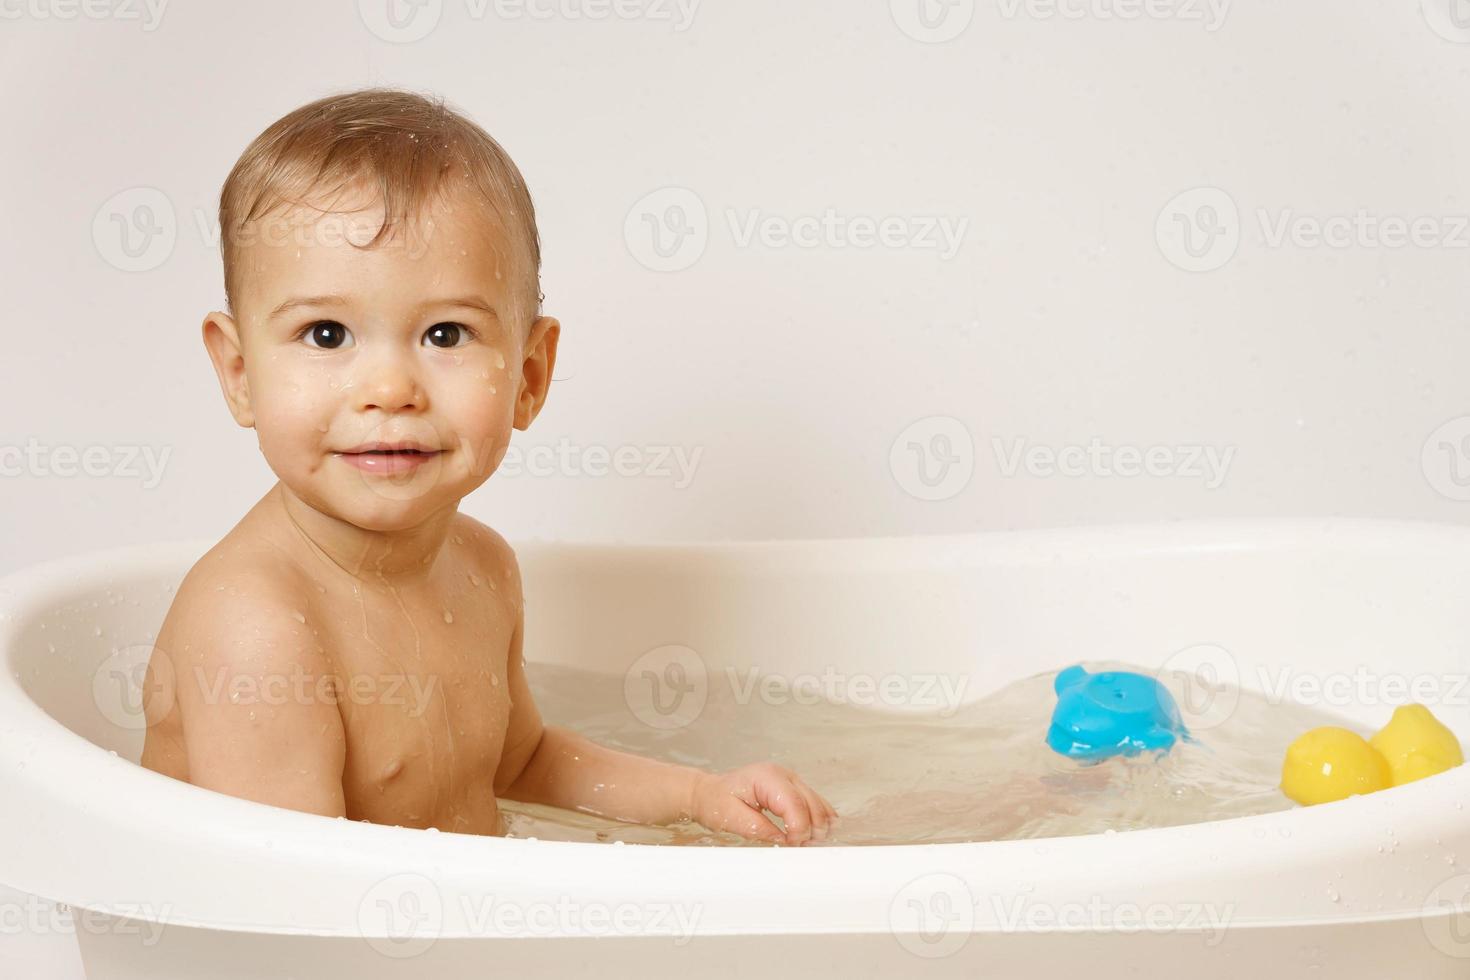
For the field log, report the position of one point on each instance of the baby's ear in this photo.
(222, 340)
(536, 370)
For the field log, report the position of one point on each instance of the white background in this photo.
(797, 374)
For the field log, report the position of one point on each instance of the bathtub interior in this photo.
(1277, 608)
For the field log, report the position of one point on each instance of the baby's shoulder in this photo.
(491, 553)
(235, 586)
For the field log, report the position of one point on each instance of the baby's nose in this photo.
(389, 385)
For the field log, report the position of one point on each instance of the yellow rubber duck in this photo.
(1331, 763)
(1416, 744)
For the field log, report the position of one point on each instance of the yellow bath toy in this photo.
(1416, 744)
(1329, 763)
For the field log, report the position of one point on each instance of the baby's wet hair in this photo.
(409, 147)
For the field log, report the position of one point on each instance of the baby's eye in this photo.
(327, 334)
(448, 335)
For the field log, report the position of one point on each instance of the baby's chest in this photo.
(423, 700)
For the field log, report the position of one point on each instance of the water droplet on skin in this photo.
(97, 631)
(300, 617)
(474, 580)
(448, 616)
(492, 389)
(500, 360)
(494, 680)
(458, 539)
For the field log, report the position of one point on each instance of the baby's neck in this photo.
(376, 557)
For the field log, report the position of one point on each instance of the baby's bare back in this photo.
(301, 684)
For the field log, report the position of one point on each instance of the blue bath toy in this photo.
(1115, 712)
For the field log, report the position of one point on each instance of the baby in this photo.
(353, 647)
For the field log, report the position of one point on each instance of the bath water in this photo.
(979, 771)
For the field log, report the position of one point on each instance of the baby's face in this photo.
(338, 353)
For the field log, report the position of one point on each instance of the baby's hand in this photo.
(734, 800)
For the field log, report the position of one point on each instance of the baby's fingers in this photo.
(821, 811)
(780, 793)
(748, 821)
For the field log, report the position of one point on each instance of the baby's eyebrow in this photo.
(331, 299)
(469, 302)
(336, 299)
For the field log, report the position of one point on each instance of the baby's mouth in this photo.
(388, 458)
(390, 449)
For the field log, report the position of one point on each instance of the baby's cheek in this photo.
(481, 421)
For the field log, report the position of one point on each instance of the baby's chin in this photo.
(379, 503)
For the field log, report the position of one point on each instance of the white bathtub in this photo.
(183, 882)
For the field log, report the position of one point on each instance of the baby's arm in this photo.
(555, 766)
(256, 725)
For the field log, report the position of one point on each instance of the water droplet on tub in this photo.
(96, 631)
(1333, 896)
